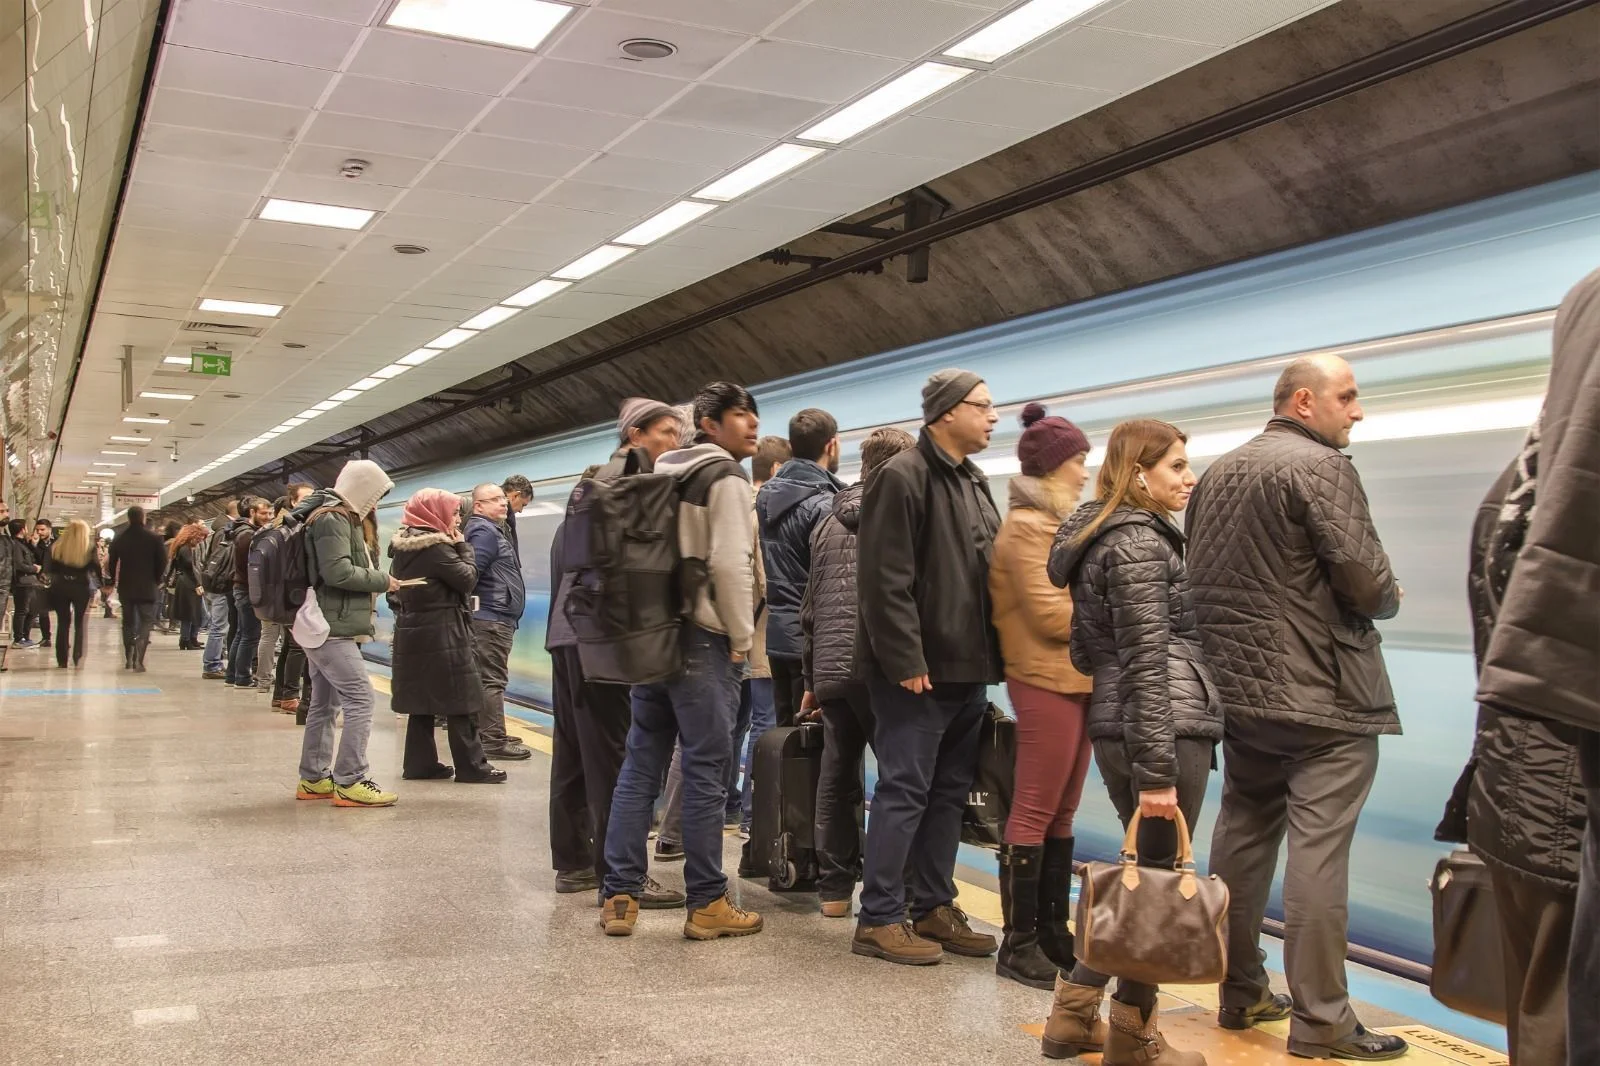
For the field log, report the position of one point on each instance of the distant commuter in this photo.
(40, 542)
(828, 628)
(25, 571)
(183, 570)
(592, 717)
(247, 628)
(291, 681)
(216, 590)
(342, 560)
(8, 560)
(697, 705)
(519, 493)
(432, 648)
(501, 596)
(1153, 719)
(928, 652)
(1542, 662)
(137, 561)
(71, 565)
(1289, 576)
(1050, 698)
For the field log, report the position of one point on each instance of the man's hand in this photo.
(918, 685)
(1159, 803)
(810, 710)
(738, 657)
(394, 586)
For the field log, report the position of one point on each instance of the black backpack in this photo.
(278, 574)
(218, 573)
(631, 587)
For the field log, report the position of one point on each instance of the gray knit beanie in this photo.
(637, 413)
(944, 390)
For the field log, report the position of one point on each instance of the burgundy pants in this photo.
(1052, 760)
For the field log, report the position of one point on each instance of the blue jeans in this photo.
(741, 729)
(763, 716)
(216, 605)
(246, 637)
(137, 618)
(697, 709)
(927, 749)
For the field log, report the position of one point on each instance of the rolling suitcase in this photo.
(788, 762)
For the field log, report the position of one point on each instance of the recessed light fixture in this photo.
(490, 318)
(647, 48)
(178, 360)
(241, 307)
(166, 395)
(297, 420)
(364, 384)
(452, 338)
(111, 451)
(539, 290)
(514, 23)
(393, 370)
(418, 357)
(146, 421)
(102, 462)
(293, 344)
(760, 170)
(664, 222)
(912, 87)
(410, 249)
(1023, 26)
(325, 405)
(592, 263)
(309, 413)
(309, 214)
(345, 394)
(130, 440)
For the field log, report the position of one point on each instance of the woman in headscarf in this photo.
(183, 569)
(432, 648)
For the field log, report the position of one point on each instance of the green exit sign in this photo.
(217, 364)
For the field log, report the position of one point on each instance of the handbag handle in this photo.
(1184, 864)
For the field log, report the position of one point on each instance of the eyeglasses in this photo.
(985, 407)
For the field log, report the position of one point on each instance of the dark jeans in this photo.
(696, 708)
(27, 603)
(491, 647)
(788, 688)
(290, 678)
(233, 629)
(246, 639)
(927, 748)
(137, 618)
(760, 720)
(571, 829)
(70, 610)
(1157, 843)
(422, 751)
(189, 633)
(1583, 968)
(741, 728)
(607, 714)
(847, 728)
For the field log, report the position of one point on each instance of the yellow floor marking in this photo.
(980, 903)
(381, 684)
(1449, 1048)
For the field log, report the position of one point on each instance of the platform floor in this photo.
(163, 899)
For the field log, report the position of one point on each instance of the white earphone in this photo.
(1142, 483)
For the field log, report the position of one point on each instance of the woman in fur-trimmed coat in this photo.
(432, 648)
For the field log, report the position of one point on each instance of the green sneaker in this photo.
(314, 790)
(363, 793)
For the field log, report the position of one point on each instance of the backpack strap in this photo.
(312, 569)
(696, 486)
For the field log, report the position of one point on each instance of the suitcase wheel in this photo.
(789, 878)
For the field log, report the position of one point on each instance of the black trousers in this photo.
(847, 730)
(233, 627)
(290, 678)
(27, 603)
(1583, 970)
(603, 723)
(788, 688)
(422, 752)
(572, 840)
(70, 611)
(1535, 932)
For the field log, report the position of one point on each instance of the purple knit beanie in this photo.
(1047, 441)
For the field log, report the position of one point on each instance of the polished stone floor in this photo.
(163, 899)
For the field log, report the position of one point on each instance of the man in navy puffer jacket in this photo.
(788, 508)
(501, 595)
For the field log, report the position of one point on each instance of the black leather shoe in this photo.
(491, 776)
(440, 772)
(1363, 1045)
(571, 881)
(666, 851)
(1271, 1008)
(510, 752)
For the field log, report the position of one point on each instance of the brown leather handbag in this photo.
(1153, 925)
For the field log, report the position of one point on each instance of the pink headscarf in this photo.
(433, 508)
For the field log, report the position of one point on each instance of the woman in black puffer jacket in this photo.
(1153, 717)
(432, 647)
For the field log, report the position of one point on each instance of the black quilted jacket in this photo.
(1134, 632)
(1288, 577)
(828, 611)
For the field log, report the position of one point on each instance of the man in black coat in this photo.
(137, 562)
(927, 650)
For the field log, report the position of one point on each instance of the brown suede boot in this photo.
(948, 925)
(1074, 1025)
(1134, 1040)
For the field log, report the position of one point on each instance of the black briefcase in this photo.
(1468, 967)
(983, 823)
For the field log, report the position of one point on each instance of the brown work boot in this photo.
(720, 918)
(1134, 1040)
(836, 908)
(895, 943)
(1074, 1025)
(618, 915)
(948, 925)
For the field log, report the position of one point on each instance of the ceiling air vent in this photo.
(225, 328)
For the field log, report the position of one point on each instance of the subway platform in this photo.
(163, 899)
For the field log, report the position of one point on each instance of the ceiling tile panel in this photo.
(425, 60)
(360, 12)
(959, 142)
(194, 173)
(1019, 105)
(287, 233)
(742, 111)
(442, 204)
(583, 85)
(555, 125)
(606, 199)
(480, 181)
(595, 36)
(579, 304)
(902, 29)
(176, 107)
(213, 147)
(665, 140)
(439, 235)
(1220, 22)
(1106, 59)
(262, 34)
(398, 101)
(341, 192)
(659, 175)
(801, 70)
(324, 161)
(524, 157)
(251, 79)
(203, 201)
(359, 135)
(739, 16)
(809, 196)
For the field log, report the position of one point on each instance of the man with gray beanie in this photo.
(927, 650)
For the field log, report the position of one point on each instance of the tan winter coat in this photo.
(1034, 617)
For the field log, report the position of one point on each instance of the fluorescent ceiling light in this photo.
(130, 440)
(490, 318)
(179, 360)
(167, 395)
(1023, 26)
(240, 307)
(665, 221)
(102, 462)
(297, 420)
(365, 383)
(325, 405)
(344, 394)
(418, 357)
(146, 421)
(760, 170)
(309, 413)
(453, 338)
(910, 88)
(514, 23)
(592, 263)
(272, 434)
(539, 290)
(309, 214)
(393, 370)
(108, 451)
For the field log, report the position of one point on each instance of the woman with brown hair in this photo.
(183, 578)
(1153, 719)
(68, 565)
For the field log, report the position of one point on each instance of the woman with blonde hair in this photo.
(71, 560)
(1153, 719)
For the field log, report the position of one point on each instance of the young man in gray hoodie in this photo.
(696, 707)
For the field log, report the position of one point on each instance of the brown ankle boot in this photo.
(1134, 1040)
(1074, 1025)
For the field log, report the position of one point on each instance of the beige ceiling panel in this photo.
(359, 299)
(157, 240)
(260, 246)
(555, 125)
(202, 201)
(747, 217)
(438, 235)
(739, 16)
(261, 33)
(198, 174)
(665, 140)
(885, 175)
(523, 157)
(1221, 22)
(359, 135)
(213, 147)
(382, 169)
(583, 85)
(596, 34)
(902, 29)
(326, 320)
(289, 233)
(252, 79)
(1021, 105)
(659, 175)
(595, 306)
(802, 70)
(834, 200)
(177, 107)
(548, 220)
(397, 101)
(606, 199)
(643, 290)
(304, 273)
(426, 60)
(441, 204)
(742, 111)
(956, 142)
(480, 181)
(1106, 59)
(360, 12)
(542, 252)
(491, 283)
(340, 192)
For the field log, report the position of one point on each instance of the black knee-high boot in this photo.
(1055, 902)
(1020, 958)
